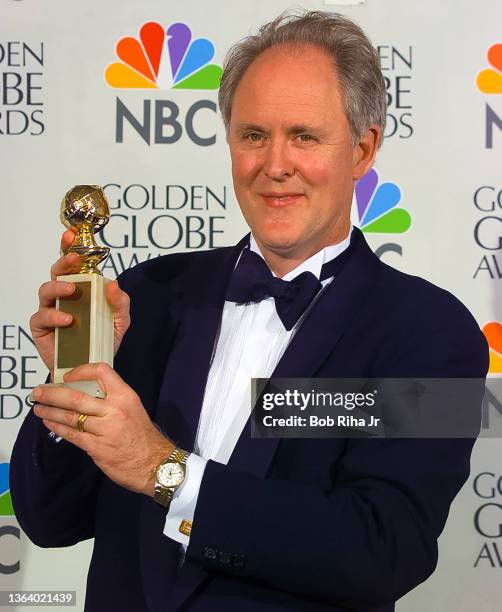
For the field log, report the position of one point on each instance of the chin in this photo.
(278, 239)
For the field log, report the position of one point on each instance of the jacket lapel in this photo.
(200, 307)
(197, 311)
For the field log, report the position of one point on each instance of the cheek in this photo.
(317, 173)
(245, 166)
(331, 173)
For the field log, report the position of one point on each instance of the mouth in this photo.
(277, 200)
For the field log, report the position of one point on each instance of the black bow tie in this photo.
(252, 281)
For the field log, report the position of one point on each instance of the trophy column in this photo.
(89, 339)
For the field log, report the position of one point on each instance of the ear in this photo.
(365, 152)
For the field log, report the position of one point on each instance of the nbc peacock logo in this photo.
(377, 206)
(6, 508)
(489, 80)
(164, 58)
(493, 334)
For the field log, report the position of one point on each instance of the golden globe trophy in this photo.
(89, 339)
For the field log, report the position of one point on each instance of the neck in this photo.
(282, 265)
(283, 261)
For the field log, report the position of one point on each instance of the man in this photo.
(256, 524)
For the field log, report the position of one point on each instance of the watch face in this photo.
(170, 474)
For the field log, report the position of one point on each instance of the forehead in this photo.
(289, 81)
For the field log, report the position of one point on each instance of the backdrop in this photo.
(123, 94)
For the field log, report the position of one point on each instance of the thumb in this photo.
(118, 300)
(67, 239)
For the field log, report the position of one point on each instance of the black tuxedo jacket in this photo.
(295, 524)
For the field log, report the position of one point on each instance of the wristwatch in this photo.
(169, 476)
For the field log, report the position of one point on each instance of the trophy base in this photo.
(89, 339)
(90, 387)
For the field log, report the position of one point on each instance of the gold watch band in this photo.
(179, 455)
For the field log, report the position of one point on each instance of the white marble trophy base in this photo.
(89, 339)
(90, 387)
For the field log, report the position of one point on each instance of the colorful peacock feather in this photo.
(376, 206)
(6, 508)
(489, 80)
(164, 59)
(493, 335)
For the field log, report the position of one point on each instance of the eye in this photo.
(305, 138)
(253, 136)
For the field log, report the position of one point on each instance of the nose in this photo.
(278, 164)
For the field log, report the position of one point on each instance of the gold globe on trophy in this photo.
(85, 208)
(89, 339)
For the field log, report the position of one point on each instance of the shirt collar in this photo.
(312, 264)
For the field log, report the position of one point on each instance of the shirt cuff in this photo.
(185, 499)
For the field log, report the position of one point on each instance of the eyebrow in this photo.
(294, 130)
(303, 128)
(249, 127)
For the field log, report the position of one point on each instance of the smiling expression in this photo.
(293, 161)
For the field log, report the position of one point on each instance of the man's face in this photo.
(293, 163)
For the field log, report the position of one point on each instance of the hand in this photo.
(47, 318)
(118, 434)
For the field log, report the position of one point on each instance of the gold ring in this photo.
(81, 421)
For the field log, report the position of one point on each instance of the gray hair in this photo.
(356, 61)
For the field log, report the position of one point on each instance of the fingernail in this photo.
(70, 287)
(67, 318)
(35, 394)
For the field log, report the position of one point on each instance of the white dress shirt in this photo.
(251, 341)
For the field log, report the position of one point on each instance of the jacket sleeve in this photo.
(53, 487)
(371, 535)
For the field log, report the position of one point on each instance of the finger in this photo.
(82, 439)
(51, 290)
(69, 399)
(67, 239)
(64, 265)
(107, 378)
(67, 417)
(118, 299)
(47, 319)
